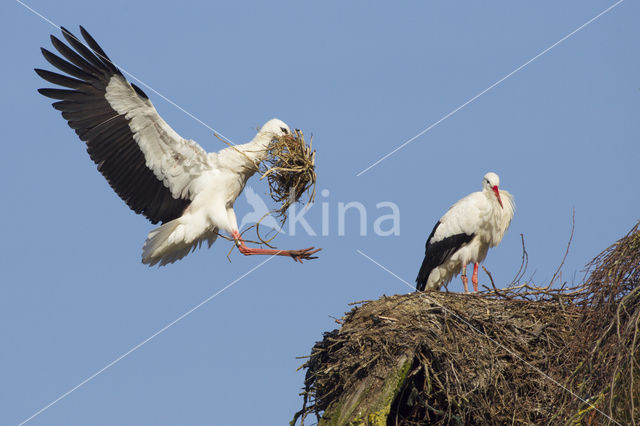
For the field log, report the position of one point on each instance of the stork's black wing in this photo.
(437, 252)
(145, 161)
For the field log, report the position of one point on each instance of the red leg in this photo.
(297, 255)
(474, 277)
(465, 280)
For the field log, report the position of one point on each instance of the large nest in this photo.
(527, 355)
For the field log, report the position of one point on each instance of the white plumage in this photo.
(157, 172)
(464, 235)
(212, 182)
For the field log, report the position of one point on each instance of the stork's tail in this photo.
(169, 242)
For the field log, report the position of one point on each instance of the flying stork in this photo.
(464, 234)
(154, 170)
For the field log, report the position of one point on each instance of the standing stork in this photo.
(464, 234)
(155, 171)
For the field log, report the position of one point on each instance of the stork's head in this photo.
(490, 183)
(275, 127)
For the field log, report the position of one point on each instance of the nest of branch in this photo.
(606, 344)
(290, 170)
(529, 355)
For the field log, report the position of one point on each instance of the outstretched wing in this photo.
(144, 160)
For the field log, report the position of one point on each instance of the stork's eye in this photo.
(286, 132)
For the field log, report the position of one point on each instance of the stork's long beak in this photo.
(497, 192)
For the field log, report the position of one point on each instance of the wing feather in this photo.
(73, 57)
(438, 251)
(65, 66)
(82, 121)
(60, 80)
(82, 49)
(144, 160)
(70, 107)
(101, 55)
(86, 113)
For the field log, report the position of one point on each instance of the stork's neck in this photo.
(256, 150)
(491, 197)
(244, 159)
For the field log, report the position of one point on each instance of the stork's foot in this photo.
(303, 254)
(296, 255)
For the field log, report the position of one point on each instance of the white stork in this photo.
(155, 171)
(464, 235)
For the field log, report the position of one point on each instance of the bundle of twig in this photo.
(290, 170)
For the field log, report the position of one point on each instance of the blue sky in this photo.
(562, 132)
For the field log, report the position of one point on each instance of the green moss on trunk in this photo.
(369, 401)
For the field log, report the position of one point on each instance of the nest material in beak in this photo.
(290, 171)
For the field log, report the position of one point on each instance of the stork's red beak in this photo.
(497, 192)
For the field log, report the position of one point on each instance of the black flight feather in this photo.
(108, 135)
(437, 253)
